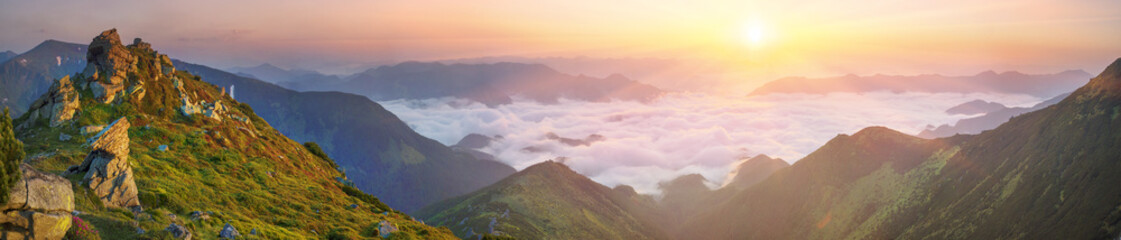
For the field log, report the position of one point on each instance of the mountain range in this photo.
(381, 154)
(490, 84)
(1048, 174)
(1043, 85)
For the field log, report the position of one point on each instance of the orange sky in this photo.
(806, 37)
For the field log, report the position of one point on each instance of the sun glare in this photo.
(753, 34)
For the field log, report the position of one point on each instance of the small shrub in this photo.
(11, 154)
(81, 230)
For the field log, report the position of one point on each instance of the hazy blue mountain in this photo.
(5, 55)
(28, 75)
(1043, 85)
(490, 84)
(990, 120)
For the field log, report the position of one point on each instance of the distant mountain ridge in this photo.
(5, 55)
(303, 80)
(1043, 85)
(490, 84)
(991, 119)
(26, 76)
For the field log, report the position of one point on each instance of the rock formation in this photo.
(107, 170)
(38, 207)
(109, 62)
(58, 105)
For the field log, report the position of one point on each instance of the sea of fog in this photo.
(682, 133)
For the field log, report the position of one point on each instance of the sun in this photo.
(753, 34)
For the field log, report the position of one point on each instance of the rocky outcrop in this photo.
(38, 207)
(109, 62)
(211, 110)
(106, 168)
(58, 105)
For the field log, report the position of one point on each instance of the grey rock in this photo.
(228, 232)
(179, 231)
(63, 137)
(385, 228)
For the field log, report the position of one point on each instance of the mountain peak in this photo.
(1110, 78)
(547, 166)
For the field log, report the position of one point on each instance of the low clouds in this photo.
(679, 133)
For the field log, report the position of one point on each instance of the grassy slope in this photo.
(247, 174)
(546, 201)
(1049, 174)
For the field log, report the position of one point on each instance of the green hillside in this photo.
(548, 201)
(380, 153)
(1049, 174)
(194, 148)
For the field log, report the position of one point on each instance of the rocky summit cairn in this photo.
(58, 105)
(109, 62)
(38, 207)
(107, 170)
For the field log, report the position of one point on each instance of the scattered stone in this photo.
(139, 230)
(197, 215)
(353, 206)
(253, 232)
(107, 169)
(179, 231)
(63, 137)
(162, 148)
(385, 228)
(39, 206)
(228, 232)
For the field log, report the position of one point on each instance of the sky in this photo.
(748, 42)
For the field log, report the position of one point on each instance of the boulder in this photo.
(228, 232)
(58, 105)
(179, 231)
(38, 207)
(385, 228)
(106, 168)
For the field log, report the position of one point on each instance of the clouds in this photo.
(680, 133)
